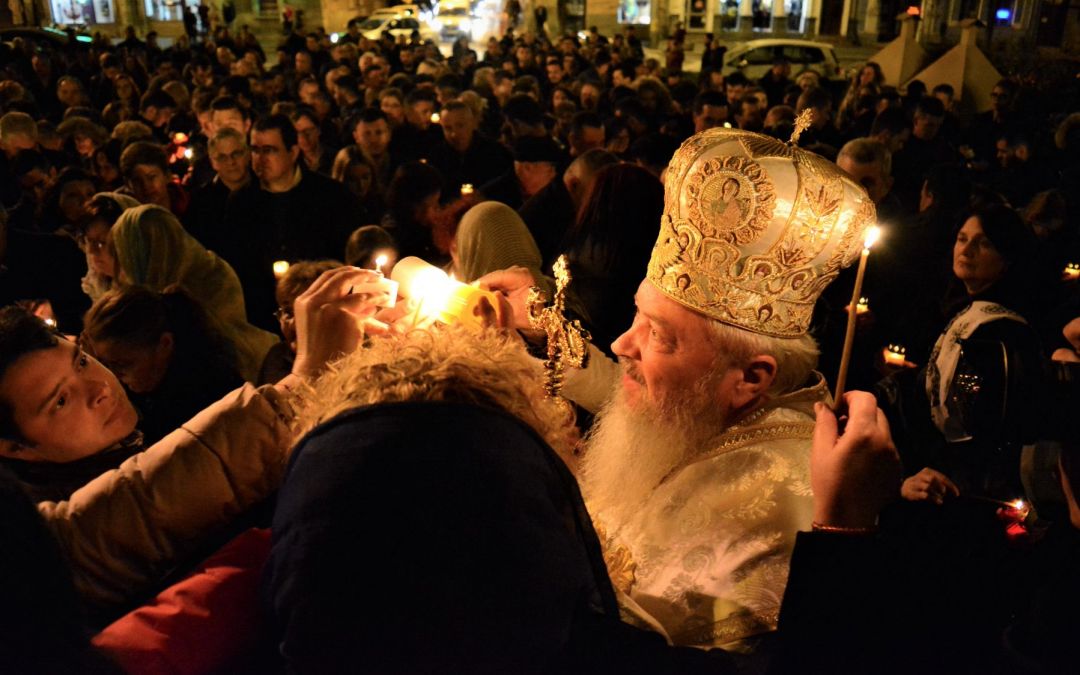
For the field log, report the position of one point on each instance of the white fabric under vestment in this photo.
(706, 556)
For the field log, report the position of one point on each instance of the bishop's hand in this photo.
(856, 472)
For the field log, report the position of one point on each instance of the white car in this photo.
(454, 21)
(755, 58)
(374, 27)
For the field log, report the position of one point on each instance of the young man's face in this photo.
(65, 404)
(373, 137)
(271, 161)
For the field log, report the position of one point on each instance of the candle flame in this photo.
(51, 323)
(1019, 504)
(873, 233)
(280, 268)
(379, 262)
(467, 189)
(435, 118)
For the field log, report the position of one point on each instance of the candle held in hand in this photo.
(873, 233)
(388, 285)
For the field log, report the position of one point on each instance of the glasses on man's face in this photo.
(235, 156)
(997, 94)
(308, 132)
(282, 314)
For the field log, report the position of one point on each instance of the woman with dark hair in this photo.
(356, 170)
(983, 382)
(610, 243)
(106, 165)
(165, 350)
(315, 152)
(412, 210)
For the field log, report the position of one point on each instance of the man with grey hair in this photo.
(696, 470)
(869, 163)
(231, 159)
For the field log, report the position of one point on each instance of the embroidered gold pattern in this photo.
(754, 229)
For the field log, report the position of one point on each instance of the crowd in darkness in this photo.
(169, 205)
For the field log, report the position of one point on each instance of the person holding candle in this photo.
(982, 386)
(695, 469)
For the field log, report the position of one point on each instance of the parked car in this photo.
(454, 20)
(374, 27)
(755, 58)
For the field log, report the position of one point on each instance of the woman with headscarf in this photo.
(154, 250)
(491, 236)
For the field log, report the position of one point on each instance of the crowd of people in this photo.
(224, 448)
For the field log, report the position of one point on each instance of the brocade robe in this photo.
(705, 558)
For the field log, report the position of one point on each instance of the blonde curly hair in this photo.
(488, 369)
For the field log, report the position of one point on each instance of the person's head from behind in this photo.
(133, 331)
(869, 163)
(945, 93)
(929, 116)
(274, 152)
(458, 125)
(146, 172)
(57, 404)
(990, 243)
(818, 100)
(413, 194)
(535, 163)
(293, 283)
(1047, 214)
(586, 133)
(891, 127)
(579, 176)
(367, 245)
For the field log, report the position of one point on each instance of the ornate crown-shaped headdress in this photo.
(754, 229)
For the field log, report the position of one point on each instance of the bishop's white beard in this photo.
(632, 448)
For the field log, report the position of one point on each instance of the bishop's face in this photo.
(666, 353)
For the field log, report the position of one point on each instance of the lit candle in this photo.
(872, 235)
(281, 267)
(1072, 271)
(51, 323)
(188, 153)
(435, 118)
(179, 138)
(388, 285)
(863, 307)
(466, 189)
(896, 355)
(441, 299)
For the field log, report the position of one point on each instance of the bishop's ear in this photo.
(757, 377)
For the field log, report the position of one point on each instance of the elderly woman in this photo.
(154, 250)
(984, 378)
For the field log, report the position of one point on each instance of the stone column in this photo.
(779, 17)
(746, 18)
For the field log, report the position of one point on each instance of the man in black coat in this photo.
(465, 155)
(290, 215)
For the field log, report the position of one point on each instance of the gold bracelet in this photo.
(854, 531)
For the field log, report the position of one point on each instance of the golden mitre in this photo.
(754, 229)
